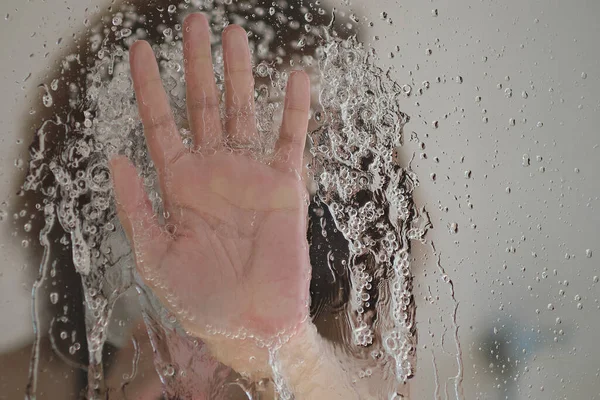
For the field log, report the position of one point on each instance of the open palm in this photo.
(232, 254)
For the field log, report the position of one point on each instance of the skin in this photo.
(232, 255)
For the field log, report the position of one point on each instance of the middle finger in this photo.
(239, 87)
(202, 97)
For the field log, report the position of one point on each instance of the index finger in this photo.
(163, 139)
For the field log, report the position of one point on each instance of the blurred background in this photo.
(504, 137)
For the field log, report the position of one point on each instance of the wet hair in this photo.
(289, 26)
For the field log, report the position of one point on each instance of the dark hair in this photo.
(291, 26)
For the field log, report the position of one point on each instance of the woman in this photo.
(66, 97)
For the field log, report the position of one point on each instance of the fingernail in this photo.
(136, 54)
(237, 40)
(189, 26)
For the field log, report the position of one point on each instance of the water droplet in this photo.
(117, 20)
(540, 124)
(172, 9)
(53, 297)
(524, 94)
(453, 227)
(435, 12)
(550, 306)
(74, 348)
(583, 75)
(47, 100)
(169, 370)
(588, 253)
(458, 79)
(168, 33)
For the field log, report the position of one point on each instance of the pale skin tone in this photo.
(232, 254)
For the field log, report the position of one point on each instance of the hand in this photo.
(232, 254)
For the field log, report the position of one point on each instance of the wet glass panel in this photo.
(444, 204)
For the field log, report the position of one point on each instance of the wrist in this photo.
(242, 355)
(301, 353)
(310, 368)
(250, 357)
(305, 363)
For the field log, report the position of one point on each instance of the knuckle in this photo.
(300, 109)
(199, 59)
(143, 86)
(240, 73)
(204, 102)
(290, 139)
(174, 158)
(162, 123)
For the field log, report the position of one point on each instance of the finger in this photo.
(202, 95)
(162, 137)
(240, 122)
(292, 136)
(136, 214)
